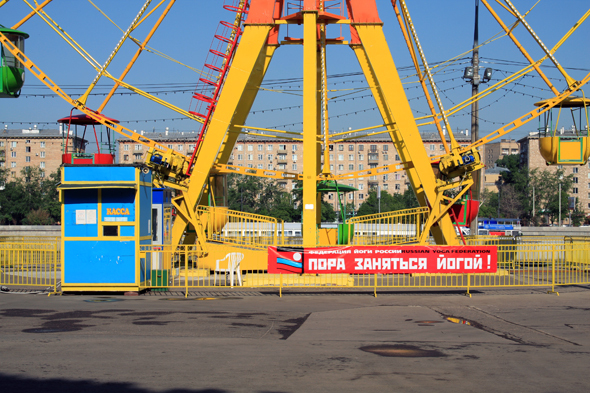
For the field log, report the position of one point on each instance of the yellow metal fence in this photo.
(30, 263)
(520, 264)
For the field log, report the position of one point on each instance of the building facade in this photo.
(41, 148)
(287, 155)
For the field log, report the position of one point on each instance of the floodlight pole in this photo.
(475, 112)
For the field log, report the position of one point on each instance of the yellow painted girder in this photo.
(407, 140)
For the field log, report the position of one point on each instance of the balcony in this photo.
(373, 157)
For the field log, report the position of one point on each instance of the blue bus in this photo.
(499, 226)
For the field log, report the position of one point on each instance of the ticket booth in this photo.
(106, 217)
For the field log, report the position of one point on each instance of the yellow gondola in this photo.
(565, 147)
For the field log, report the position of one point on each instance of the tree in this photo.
(38, 217)
(489, 204)
(547, 198)
(29, 192)
(389, 202)
(510, 202)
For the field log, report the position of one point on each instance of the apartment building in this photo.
(286, 155)
(34, 147)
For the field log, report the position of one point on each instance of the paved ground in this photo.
(506, 340)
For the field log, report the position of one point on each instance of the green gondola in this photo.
(12, 71)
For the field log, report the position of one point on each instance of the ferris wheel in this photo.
(243, 46)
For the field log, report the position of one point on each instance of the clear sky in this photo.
(445, 29)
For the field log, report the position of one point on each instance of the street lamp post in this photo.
(472, 75)
(559, 221)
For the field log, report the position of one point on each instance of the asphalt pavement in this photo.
(517, 340)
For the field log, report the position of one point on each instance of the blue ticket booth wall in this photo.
(106, 216)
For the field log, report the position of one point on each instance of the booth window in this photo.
(110, 230)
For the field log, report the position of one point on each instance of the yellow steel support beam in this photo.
(102, 70)
(29, 16)
(252, 43)
(310, 127)
(136, 56)
(397, 109)
(548, 53)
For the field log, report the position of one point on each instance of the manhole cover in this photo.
(402, 351)
(103, 300)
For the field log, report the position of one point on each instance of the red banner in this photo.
(383, 259)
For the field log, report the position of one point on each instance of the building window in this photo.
(1, 144)
(126, 157)
(361, 167)
(361, 147)
(2, 164)
(191, 147)
(431, 147)
(361, 186)
(386, 177)
(361, 196)
(385, 186)
(126, 147)
(42, 174)
(340, 167)
(575, 169)
(13, 154)
(340, 147)
(340, 156)
(240, 156)
(385, 147)
(294, 166)
(351, 158)
(28, 149)
(138, 147)
(397, 157)
(260, 166)
(397, 176)
(137, 156)
(240, 147)
(351, 167)
(385, 157)
(169, 147)
(260, 147)
(42, 164)
(270, 167)
(575, 180)
(28, 158)
(397, 187)
(12, 144)
(180, 147)
(331, 167)
(350, 147)
(282, 167)
(260, 157)
(250, 157)
(294, 157)
(269, 147)
(269, 157)
(441, 147)
(294, 147)
(361, 157)
(13, 164)
(250, 148)
(282, 147)
(575, 190)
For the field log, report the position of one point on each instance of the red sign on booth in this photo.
(383, 259)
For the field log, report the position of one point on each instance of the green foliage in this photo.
(38, 217)
(30, 197)
(389, 202)
(489, 204)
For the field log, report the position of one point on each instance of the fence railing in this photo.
(396, 227)
(520, 264)
(30, 264)
(243, 229)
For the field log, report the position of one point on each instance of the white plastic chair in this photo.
(233, 266)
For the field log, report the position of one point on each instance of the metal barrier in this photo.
(239, 228)
(30, 264)
(520, 265)
(396, 227)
